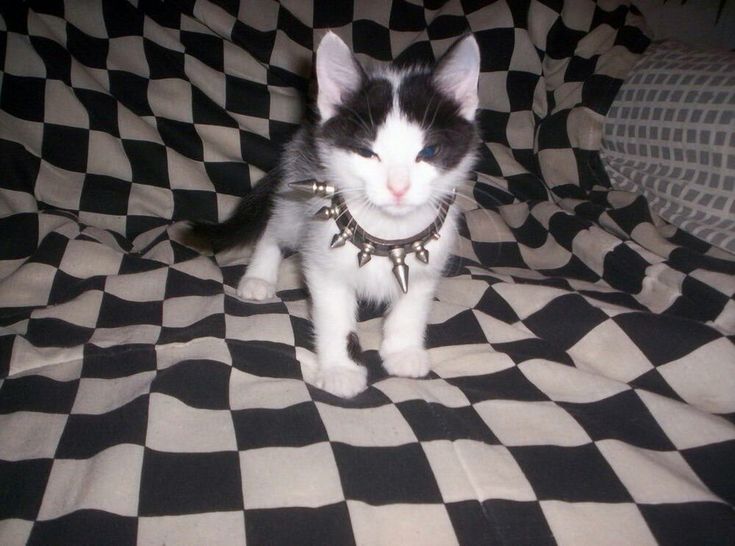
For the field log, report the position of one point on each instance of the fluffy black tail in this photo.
(246, 223)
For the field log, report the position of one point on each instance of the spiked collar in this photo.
(369, 245)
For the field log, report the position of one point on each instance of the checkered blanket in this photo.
(583, 388)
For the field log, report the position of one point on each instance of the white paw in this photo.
(407, 362)
(254, 289)
(343, 381)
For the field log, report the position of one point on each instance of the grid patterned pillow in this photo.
(670, 135)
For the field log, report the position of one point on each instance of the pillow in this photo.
(670, 135)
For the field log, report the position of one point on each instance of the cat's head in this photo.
(397, 138)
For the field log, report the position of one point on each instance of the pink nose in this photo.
(398, 192)
(398, 186)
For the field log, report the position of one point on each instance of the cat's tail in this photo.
(246, 223)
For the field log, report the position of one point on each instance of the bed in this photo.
(583, 382)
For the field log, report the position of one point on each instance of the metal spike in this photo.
(327, 212)
(366, 252)
(401, 274)
(321, 189)
(436, 235)
(341, 238)
(324, 190)
(306, 186)
(400, 269)
(421, 253)
(324, 213)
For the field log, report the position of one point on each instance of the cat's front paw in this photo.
(342, 381)
(411, 362)
(255, 289)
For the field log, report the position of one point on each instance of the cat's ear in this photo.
(457, 74)
(337, 73)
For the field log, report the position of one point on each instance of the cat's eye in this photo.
(427, 152)
(365, 152)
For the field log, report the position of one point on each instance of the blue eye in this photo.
(428, 152)
(365, 152)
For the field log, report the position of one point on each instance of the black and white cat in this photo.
(390, 145)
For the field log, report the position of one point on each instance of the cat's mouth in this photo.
(398, 209)
(388, 205)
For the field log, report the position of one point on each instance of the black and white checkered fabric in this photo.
(583, 389)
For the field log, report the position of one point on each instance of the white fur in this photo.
(368, 186)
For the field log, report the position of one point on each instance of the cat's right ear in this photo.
(337, 73)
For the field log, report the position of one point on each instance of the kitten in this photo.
(392, 143)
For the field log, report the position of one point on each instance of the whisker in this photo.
(481, 190)
(358, 118)
(436, 113)
(426, 110)
(370, 111)
(342, 191)
(358, 122)
(477, 188)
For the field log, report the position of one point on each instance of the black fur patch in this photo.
(357, 120)
(353, 347)
(439, 116)
(246, 223)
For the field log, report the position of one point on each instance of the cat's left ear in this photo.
(337, 74)
(457, 74)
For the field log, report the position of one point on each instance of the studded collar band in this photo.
(369, 245)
